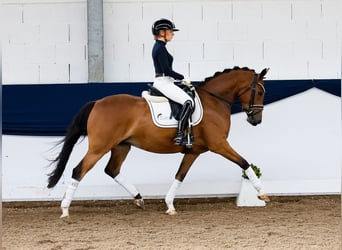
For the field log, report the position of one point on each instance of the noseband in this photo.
(253, 109)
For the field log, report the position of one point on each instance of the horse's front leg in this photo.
(256, 182)
(184, 167)
(228, 152)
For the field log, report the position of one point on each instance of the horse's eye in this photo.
(260, 93)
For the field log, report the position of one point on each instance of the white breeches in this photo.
(167, 86)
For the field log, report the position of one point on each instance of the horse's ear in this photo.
(263, 73)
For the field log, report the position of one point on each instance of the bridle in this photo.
(252, 109)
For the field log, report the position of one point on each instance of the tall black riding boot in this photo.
(182, 123)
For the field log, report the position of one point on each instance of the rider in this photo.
(165, 76)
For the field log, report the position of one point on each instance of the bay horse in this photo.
(117, 122)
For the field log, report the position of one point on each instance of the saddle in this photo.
(166, 113)
(174, 106)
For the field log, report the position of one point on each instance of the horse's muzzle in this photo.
(254, 118)
(254, 114)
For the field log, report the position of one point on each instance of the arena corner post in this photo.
(95, 41)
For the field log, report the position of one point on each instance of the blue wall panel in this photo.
(47, 109)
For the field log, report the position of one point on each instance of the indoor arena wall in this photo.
(297, 146)
(46, 40)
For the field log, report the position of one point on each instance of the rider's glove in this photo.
(187, 83)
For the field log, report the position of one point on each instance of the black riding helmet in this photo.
(163, 24)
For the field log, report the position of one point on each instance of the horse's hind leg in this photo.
(184, 167)
(78, 173)
(118, 155)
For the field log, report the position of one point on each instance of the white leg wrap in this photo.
(128, 186)
(69, 194)
(171, 195)
(254, 180)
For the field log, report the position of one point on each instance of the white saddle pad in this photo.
(161, 111)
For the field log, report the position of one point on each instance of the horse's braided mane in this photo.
(223, 72)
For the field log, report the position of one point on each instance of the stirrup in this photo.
(188, 140)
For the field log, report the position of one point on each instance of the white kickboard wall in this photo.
(297, 147)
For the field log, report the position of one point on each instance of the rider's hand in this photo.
(187, 83)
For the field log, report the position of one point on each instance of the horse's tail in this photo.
(77, 128)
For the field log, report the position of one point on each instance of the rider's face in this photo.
(167, 35)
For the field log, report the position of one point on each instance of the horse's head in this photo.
(252, 98)
(239, 82)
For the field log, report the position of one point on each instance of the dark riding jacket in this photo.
(162, 61)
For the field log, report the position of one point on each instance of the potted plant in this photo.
(256, 170)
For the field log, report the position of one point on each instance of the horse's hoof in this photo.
(139, 203)
(264, 198)
(65, 213)
(171, 212)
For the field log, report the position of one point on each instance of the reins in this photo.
(229, 103)
(251, 110)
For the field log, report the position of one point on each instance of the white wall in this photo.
(297, 147)
(45, 41)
